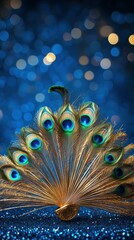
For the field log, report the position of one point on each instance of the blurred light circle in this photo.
(83, 60)
(106, 30)
(21, 64)
(89, 75)
(105, 63)
(49, 58)
(130, 57)
(15, 19)
(33, 60)
(40, 97)
(131, 39)
(67, 36)
(88, 24)
(113, 38)
(31, 76)
(4, 35)
(78, 73)
(57, 48)
(115, 52)
(15, 4)
(76, 33)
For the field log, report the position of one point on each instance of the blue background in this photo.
(29, 30)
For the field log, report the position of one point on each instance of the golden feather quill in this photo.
(68, 160)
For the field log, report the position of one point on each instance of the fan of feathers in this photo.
(69, 159)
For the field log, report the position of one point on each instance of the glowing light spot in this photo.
(21, 64)
(76, 33)
(16, 4)
(105, 63)
(106, 30)
(88, 24)
(40, 97)
(113, 38)
(78, 73)
(49, 58)
(33, 60)
(67, 36)
(89, 75)
(131, 39)
(83, 60)
(115, 52)
(130, 57)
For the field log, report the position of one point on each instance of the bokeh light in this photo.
(113, 38)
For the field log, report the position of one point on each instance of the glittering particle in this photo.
(76, 33)
(131, 39)
(106, 30)
(83, 60)
(105, 63)
(113, 38)
(21, 64)
(89, 75)
(15, 4)
(33, 60)
(40, 97)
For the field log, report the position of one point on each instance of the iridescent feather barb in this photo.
(69, 159)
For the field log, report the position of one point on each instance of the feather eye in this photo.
(12, 174)
(34, 142)
(45, 119)
(125, 190)
(88, 114)
(113, 155)
(122, 172)
(67, 120)
(102, 135)
(20, 158)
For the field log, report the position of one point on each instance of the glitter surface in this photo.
(88, 48)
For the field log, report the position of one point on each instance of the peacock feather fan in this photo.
(70, 159)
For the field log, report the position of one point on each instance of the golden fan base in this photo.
(67, 212)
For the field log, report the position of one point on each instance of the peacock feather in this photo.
(69, 159)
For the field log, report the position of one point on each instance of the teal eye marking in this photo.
(120, 190)
(98, 139)
(34, 142)
(85, 120)
(23, 159)
(109, 158)
(14, 175)
(48, 124)
(67, 125)
(118, 173)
